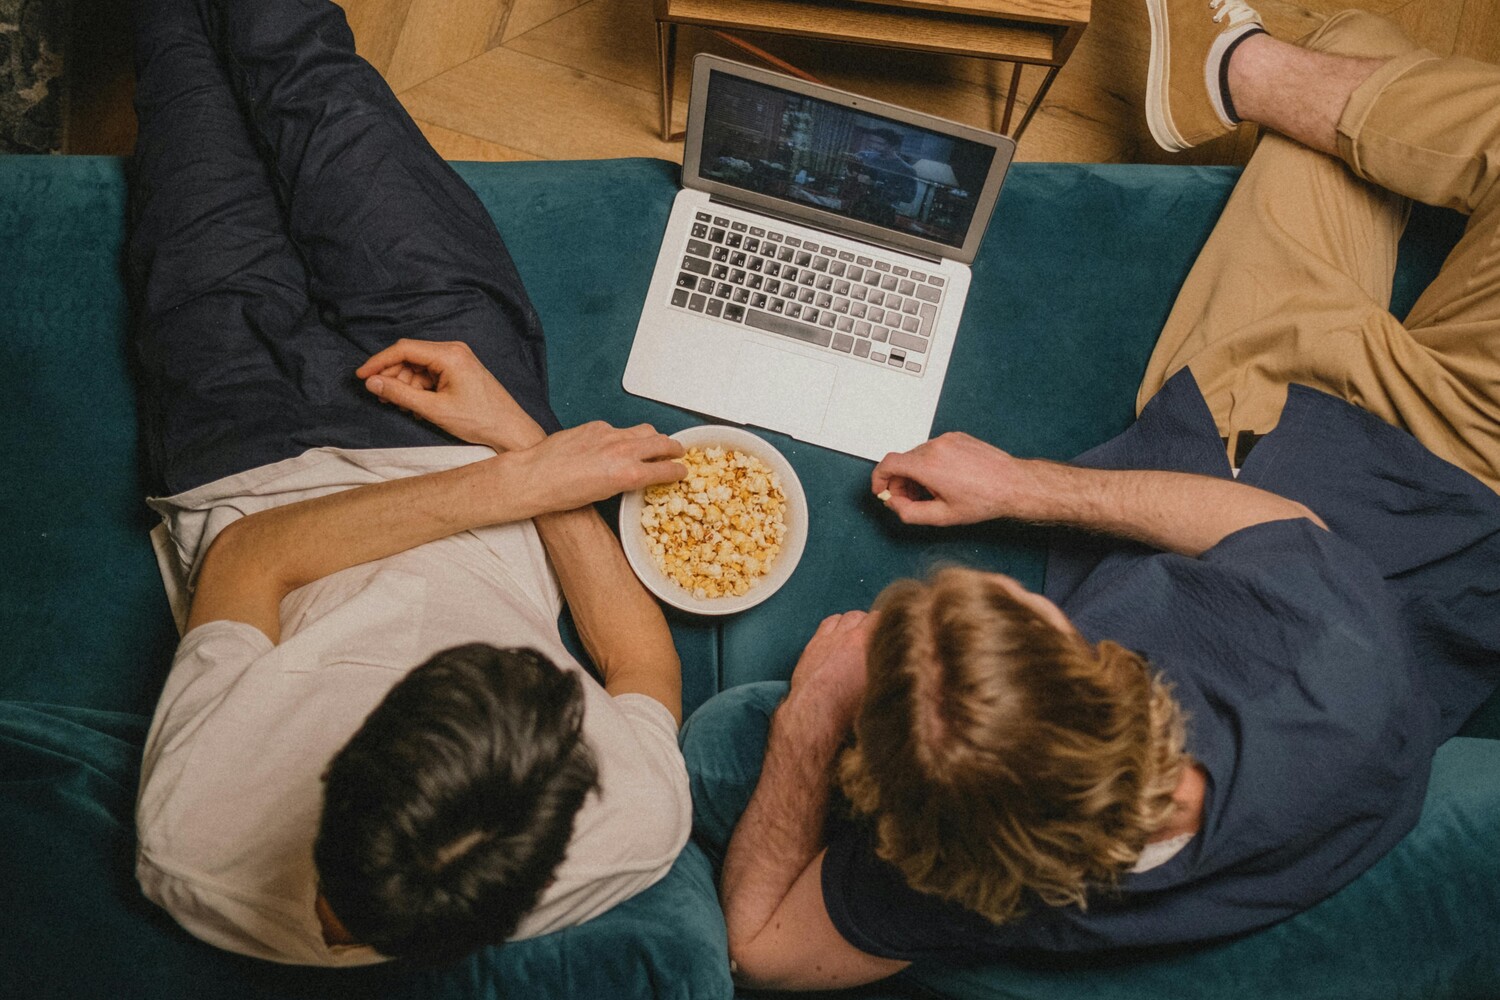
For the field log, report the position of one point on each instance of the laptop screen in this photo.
(794, 148)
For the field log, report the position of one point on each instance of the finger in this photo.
(912, 511)
(654, 473)
(429, 354)
(419, 401)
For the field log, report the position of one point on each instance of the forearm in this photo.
(1174, 511)
(258, 560)
(781, 831)
(622, 627)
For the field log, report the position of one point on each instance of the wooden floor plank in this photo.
(452, 145)
(551, 111)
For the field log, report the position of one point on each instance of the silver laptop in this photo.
(815, 264)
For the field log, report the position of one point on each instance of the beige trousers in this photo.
(1294, 283)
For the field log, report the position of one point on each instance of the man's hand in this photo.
(832, 670)
(953, 479)
(444, 383)
(584, 464)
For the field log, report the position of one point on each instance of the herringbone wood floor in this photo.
(564, 79)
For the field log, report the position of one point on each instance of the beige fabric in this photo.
(1294, 283)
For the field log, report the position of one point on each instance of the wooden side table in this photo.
(1020, 32)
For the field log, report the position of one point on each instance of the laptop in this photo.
(815, 264)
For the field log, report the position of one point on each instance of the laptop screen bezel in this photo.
(705, 65)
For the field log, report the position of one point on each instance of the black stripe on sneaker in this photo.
(1224, 72)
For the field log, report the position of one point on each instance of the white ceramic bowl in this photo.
(633, 536)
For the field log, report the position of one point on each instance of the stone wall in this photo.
(32, 34)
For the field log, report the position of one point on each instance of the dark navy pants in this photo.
(288, 220)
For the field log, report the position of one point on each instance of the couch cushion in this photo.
(76, 925)
(1422, 921)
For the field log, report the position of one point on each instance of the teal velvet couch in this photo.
(1072, 285)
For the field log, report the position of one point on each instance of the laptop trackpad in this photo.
(782, 390)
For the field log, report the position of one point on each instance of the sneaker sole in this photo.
(1158, 114)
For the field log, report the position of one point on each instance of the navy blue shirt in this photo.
(1319, 670)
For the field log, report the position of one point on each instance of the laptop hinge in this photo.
(758, 210)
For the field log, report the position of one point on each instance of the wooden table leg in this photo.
(1036, 101)
(666, 52)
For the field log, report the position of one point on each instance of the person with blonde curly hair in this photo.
(1266, 603)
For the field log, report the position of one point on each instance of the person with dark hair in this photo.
(879, 179)
(298, 256)
(1225, 706)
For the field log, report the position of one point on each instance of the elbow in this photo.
(1312, 516)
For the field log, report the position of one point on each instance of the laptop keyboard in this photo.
(875, 310)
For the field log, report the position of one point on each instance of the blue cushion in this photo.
(1424, 921)
(75, 923)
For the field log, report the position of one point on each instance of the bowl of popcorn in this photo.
(728, 534)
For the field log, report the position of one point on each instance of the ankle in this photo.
(1246, 70)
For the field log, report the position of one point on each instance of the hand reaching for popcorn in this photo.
(443, 382)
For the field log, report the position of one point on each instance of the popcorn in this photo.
(884, 496)
(719, 529)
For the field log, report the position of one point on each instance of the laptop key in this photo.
(805, 295)
(695, 302)
(910, 324)
(706, 285)
(877, 356)
(841, 305)
(928, 312)
(715, 307)
(737, 276)
(720, 271)
(717, 235)
(843, 342)
(698, 248)
(820, 263)
(756, 280)
(910, 307)
(785, 254)
(794, 310)
(807, 278)
(913, 366)
(877, 315)
(914, 344)
(936, 281)
(700, 230)
(879, 334)
(686, 280)
(898, 269)
(841, 287)
(757, 231)
(772, 323)
(837, 268)
(843, 324)
(907, 287)
(855, 273)
(826, 319)
(680, 297)
(918, 276)
(810, 246)
(792, 241)
(845, 255)
(739, 227)
(734, 313)
(737, 259)
(823, 283)
(724, 290)
(896, 360)
(720, 221)
(810, 315)
(695, 264)
(777, 305)
(858, 310)
(741, 295)
(734, 240)
(752, 246)
(862, 328)
(758, 300)
(720, 253)
(927, 293)
(823, 301)
(703, 217)
(861, 348)
(889, 282)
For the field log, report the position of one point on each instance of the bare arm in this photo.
(957, 479)
(780, 934)
(258, 560)
(621, 625)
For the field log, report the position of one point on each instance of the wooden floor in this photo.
(577, 79)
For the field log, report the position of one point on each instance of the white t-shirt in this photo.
(231, 784)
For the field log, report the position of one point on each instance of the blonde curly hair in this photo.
(1002, 758)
